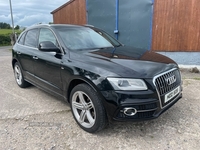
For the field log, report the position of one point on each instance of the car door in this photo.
(47, 65)
(25, 48)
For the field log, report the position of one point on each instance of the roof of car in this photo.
(58, 25)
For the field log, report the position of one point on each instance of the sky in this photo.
(28, 12)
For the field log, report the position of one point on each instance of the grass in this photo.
(8, 31)
(196, 78)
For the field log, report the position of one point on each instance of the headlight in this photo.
(127, 84)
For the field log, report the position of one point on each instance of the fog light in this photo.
(130, 111)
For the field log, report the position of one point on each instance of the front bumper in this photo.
(147, 104)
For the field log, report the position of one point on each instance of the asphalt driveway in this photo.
(34, 120)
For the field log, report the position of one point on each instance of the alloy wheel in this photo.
(18, 75)
(83, 109)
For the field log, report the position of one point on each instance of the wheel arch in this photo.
(13, 62)
(76, 82)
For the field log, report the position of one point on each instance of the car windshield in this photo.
(83, 39)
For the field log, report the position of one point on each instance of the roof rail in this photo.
(88, 25)
(38, 24)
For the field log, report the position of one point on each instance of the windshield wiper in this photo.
(92, 48)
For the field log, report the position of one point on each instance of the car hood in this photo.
(123, 61)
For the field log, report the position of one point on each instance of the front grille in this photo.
(162, 85)
(145, 106)
(166, 82)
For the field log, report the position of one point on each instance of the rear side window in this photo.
(31, 38)
(21, 40)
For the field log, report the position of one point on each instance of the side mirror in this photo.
(48, 46)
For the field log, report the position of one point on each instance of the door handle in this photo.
(35, 57)
(18, 52)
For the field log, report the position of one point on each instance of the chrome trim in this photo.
(134, 111)
(171, 80)
(140, 111)
(39, 28)
(147, 110)
(159, 97)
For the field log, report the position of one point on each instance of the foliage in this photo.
(4, 25)
(5, 32)
(5, 36)
(4, 40)
(17, 27)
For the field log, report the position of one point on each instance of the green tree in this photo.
(17, 27)
(4, 25)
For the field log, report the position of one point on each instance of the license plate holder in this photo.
(172, 94)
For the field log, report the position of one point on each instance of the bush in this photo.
(5, 40)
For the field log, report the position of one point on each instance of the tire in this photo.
(87, 108)
(19, 78)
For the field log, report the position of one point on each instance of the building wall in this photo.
(176, 30)
(184, 58)
(73, 12)
(132, 18)
(176, 25)
(101, 14)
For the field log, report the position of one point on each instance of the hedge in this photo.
(5, 40)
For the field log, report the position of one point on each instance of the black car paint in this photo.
(56, 73)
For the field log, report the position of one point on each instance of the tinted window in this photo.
(47, 35)
(31, 38)
(21, 40)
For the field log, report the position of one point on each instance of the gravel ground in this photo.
(31, 119)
